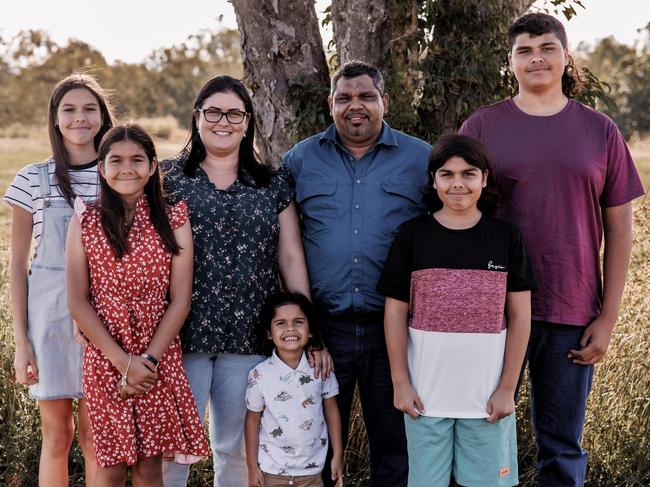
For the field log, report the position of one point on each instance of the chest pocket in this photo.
(317, 204)
(401, 202)
(50, 251)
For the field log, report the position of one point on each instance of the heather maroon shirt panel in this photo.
(555, 174)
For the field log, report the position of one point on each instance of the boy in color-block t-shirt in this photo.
(457, 284)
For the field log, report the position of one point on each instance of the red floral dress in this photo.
(130, 297)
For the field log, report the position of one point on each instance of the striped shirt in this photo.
(25, 190)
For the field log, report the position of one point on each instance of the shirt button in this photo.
(358, 181)
(356, 260)
(356, 289)
(357, 206)
(355, 231)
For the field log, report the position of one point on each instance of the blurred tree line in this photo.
(165, 83)
(626, 69)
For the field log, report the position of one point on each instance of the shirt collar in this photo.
(303, 365)
(387, 136)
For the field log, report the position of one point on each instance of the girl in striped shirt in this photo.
(48, 347)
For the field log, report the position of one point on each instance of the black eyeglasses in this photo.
(214, 115)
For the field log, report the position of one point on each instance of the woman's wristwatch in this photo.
(150, 358)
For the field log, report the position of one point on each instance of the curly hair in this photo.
(537, 24)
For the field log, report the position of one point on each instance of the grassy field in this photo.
(618, 424)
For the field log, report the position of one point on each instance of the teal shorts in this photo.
(477, 452)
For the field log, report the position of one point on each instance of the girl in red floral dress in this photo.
(129, 270)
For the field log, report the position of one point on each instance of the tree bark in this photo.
(285, 69)
(361, 30)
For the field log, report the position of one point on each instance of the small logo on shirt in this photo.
(305, 379)
(496, 267)
(504, 471)
(283, 396)
(308, 402)
(289, 450)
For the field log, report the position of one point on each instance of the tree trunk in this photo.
(361, 30)
(285, 69)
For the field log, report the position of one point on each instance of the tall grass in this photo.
(618, 422)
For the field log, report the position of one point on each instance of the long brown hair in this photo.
(111, 207)
(59, 152)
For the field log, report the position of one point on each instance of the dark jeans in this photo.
(358, 347)
(559, 390)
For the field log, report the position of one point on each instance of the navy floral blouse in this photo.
(236, 235)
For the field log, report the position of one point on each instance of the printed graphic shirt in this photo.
(456, 283)
(25, 190)
(293, 436)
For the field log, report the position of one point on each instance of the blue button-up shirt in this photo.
(351, 210)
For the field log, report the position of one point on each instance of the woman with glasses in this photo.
(246, 235)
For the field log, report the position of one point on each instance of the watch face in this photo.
(150, 358)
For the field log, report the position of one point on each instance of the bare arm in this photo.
(595, 340)
(396, 331)
(180, 293)
(291, 256)
(21, 239)
(252, 441)
(333, 419)
(291, 260)
(140, 373)
(502, 401)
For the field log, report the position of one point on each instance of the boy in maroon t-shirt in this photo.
(565, 178)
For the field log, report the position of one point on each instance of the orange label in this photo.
(504, 471)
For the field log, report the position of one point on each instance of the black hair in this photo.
(111, 207)
(268, 312)
(249, 161)
(354, 69)
(537, 24)
(472, 151)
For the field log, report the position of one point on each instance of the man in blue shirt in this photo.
(356, 183)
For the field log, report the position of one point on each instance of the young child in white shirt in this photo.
(290, 410)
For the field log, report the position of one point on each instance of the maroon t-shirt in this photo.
(554, 175)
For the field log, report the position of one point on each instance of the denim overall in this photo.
(49, 326)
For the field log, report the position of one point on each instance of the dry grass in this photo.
(618, 423)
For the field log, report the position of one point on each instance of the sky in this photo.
(129, 30)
